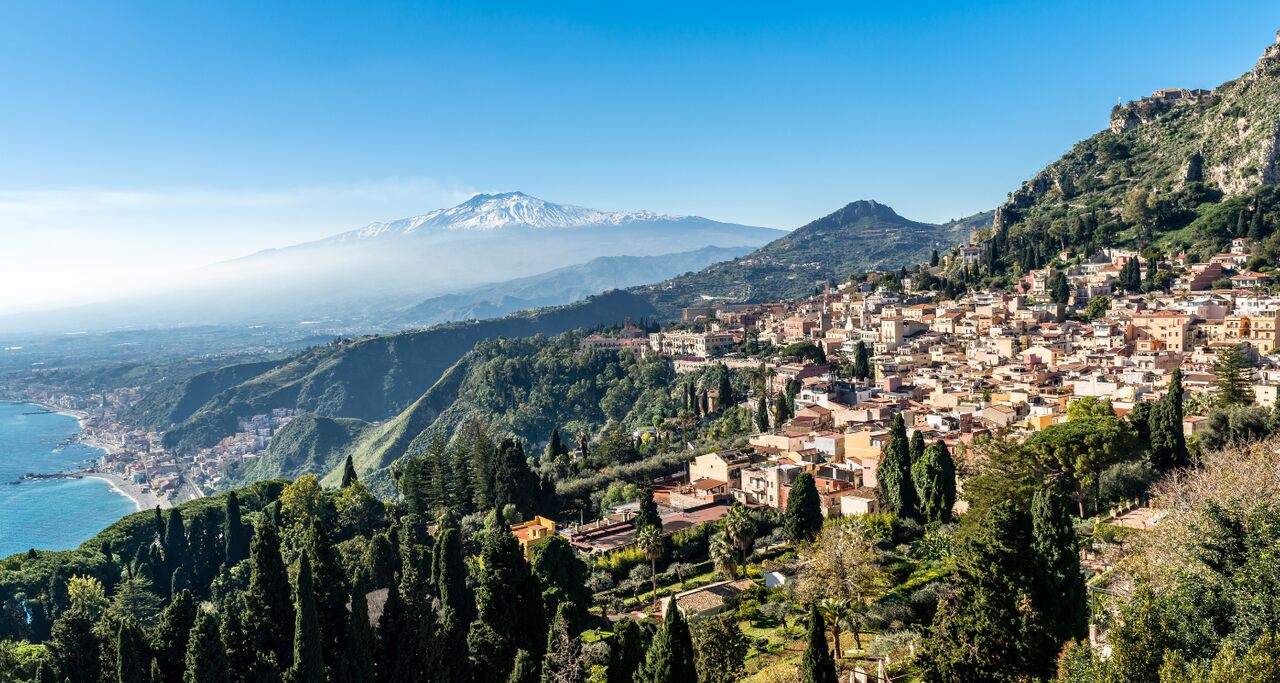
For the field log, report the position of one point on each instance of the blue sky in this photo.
(142, 139)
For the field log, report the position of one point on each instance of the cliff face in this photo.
(1227, 137)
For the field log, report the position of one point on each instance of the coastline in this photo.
(142, 500)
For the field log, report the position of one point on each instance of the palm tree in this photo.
(835, 612)
(741, 530)
(649, 541)
(723, 555)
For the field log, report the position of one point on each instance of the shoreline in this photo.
(141, 500)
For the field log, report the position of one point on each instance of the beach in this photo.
(142, 499)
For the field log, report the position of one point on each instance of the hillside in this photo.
(309, 444)
(864, 235)
(1177, 170)
(562, 285)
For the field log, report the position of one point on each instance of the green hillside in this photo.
(1178, 170)
(174, 402)
(309, 444)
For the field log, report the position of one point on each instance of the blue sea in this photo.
(51, 514)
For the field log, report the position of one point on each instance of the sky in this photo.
(140, 140)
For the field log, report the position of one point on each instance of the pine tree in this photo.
(132, 653)
(169, 640)
(803, 517)
(894, 473)
(1232, 379)
(817, 665)
(670, 658)
(1059, 582)
(359, 643)
(308, 659)
(269, 615)
(349, 475)
(206, 660)
(234, 533)
(627, 653)
(934, 476)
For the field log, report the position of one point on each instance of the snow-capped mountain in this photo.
(507, 210)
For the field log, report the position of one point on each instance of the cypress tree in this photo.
(1167, 442)
(308, 660)
(781, 410)
(392, 629)
(330, 594)
(724, 395)
(234, 533)
(563, 578)
(917, 446)
(670, 658)
(627, 653)
(862, 361)
(360, 644)
(647, 515)
(934, 475)
(132, 653)
(894, 473)
(508, 605)
(73, 648)
(206, 660)
(817, 665)
(157, 524)
(269, 616)
(1059, 582)
(176, 552)
(156, 677)
(169, 641)
(525, 669)
(349, 476)
(451, 577)
(379, 562)
(803, 517)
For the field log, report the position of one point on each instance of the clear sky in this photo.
(138, 140)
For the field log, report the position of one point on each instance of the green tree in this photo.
(762, 413)
(132, 653)
(206, 660)
(894, 473)
(817, 665)
(741, 530)
(626, 654)
(563, 578)
(861, 361)
(986, 628)
(525, 669)
(670, 658)
(360, 645)
(269, 615)
(1168, 444)
(803, 517)
(563, 662)
(1078, 451)
(1059, 290)
(177, 554)
(308, 659)
(1232, 379)
(73, 647)
(934, 475)
(781, 410)
(1059, 582)
(721, 649)
(647, 515)
(650, 542)
(508, 604)
(329, 596)
(349, 475)
(724, 394)
(917, 446)
(169, 640)
(234, 534)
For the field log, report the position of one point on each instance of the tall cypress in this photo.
(803, 517)
(670, 658)
(1059, 582)
(627, 654)
(269, 617)
(762, 413)
(169, 639)
(1167, 442)
(73, 648)
(563, 661)
(647, 514)
(330, 594)
(360, 644)
(308, 660)
(917, 446)
(235, 535)
(176, 552)
(525, 669)
(451, 576)
(132, 653)
(817, 665)
(206, 660)
(508, 605)
(349, 475)
(724, 394)
(862, 361)
(934, 476)
(894, 472)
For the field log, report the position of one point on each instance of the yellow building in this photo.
(533, 532)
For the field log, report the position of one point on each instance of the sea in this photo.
(49, 514)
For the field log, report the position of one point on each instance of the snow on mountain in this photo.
(506, 210)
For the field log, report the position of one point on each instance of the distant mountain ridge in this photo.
(507, 210)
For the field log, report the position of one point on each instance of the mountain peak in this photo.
(501, 210)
